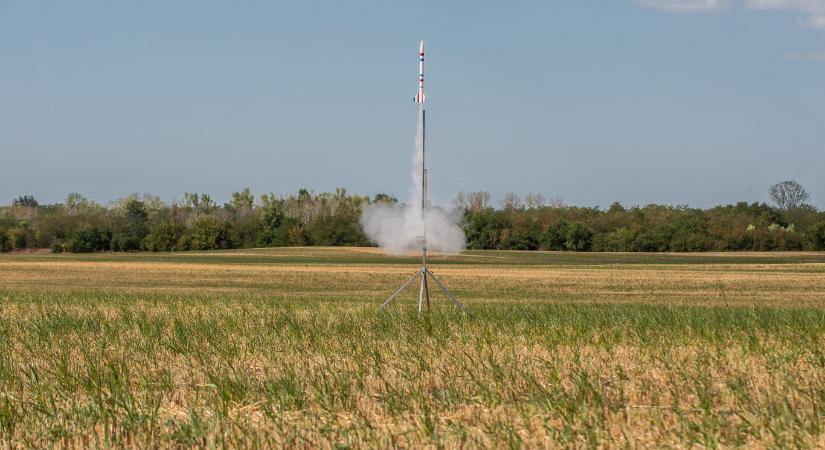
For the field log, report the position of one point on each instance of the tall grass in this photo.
(634, 355)
(191, 371)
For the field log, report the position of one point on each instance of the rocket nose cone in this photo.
(421, 49)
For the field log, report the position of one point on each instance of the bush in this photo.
(690, 242)
(16, 238)
(26, 201)
(579, 238)
(485, 228)
(555, 237)
(124, 242)
(245, 231)
(206, 234)
(163, 236)
(337, 231)
(136, 222)
(816, 236)
(655, 240)
(58, 246)
(87, 241)
(520, 240)
(620, 240)
(295, 234)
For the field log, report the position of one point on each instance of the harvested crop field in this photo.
(286, 347)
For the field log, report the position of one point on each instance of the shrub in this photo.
(206, 234)
(163, 236)
(485, 229)
(136, 221)
(125, 242)
(520, 240)
(87, 241)
(555, 237)
(620, 240)
(816, 236)
(579, 238)
(16, 238)
(337, 231)
(690, 242)
(655, 240)
(58, 246)
(245, 230)
(27, 201)
(295, 234)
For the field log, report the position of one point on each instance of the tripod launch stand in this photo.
(423, 291)
(424, 271)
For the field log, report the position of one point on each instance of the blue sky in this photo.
(696, 102)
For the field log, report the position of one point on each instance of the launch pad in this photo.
(424, 290)
(424, 272)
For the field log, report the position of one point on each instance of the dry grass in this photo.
(762, 283)
(226, 349)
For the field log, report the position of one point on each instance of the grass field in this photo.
(286, 347)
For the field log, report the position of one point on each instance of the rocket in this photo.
(419, 97)
(424, 272)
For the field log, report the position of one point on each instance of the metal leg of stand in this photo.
(421, 290)
(398, 291)
(446, 291)
(426, 289)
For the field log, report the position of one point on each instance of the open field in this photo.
(286, 347)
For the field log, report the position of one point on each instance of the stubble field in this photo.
(286, 347)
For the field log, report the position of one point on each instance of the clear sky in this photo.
(696, 102)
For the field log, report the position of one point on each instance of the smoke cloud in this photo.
(397, 228)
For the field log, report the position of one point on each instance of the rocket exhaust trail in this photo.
(399, 229)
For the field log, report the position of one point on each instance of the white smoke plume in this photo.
(398, 228)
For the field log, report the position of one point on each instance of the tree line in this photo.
(332, 219)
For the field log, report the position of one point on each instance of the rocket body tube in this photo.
(419, 98)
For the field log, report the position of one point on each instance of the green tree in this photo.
(689, 232)
(336, 231)
(384, 198)
(88, 241)
(206, 234)
(485, 228)
(16, 237)
(201, 203)
(652, 240)
(816, 236)
(245, 230)
(520, 239)
(137, 219)
(25, 201)
(619, 240)
(6, 224)
(272, 232)
(555, 237)
(579, 238)
(243, 199)
(136, 228)
(163, 236)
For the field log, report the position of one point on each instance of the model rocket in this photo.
(419, 97)
(424, 272)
